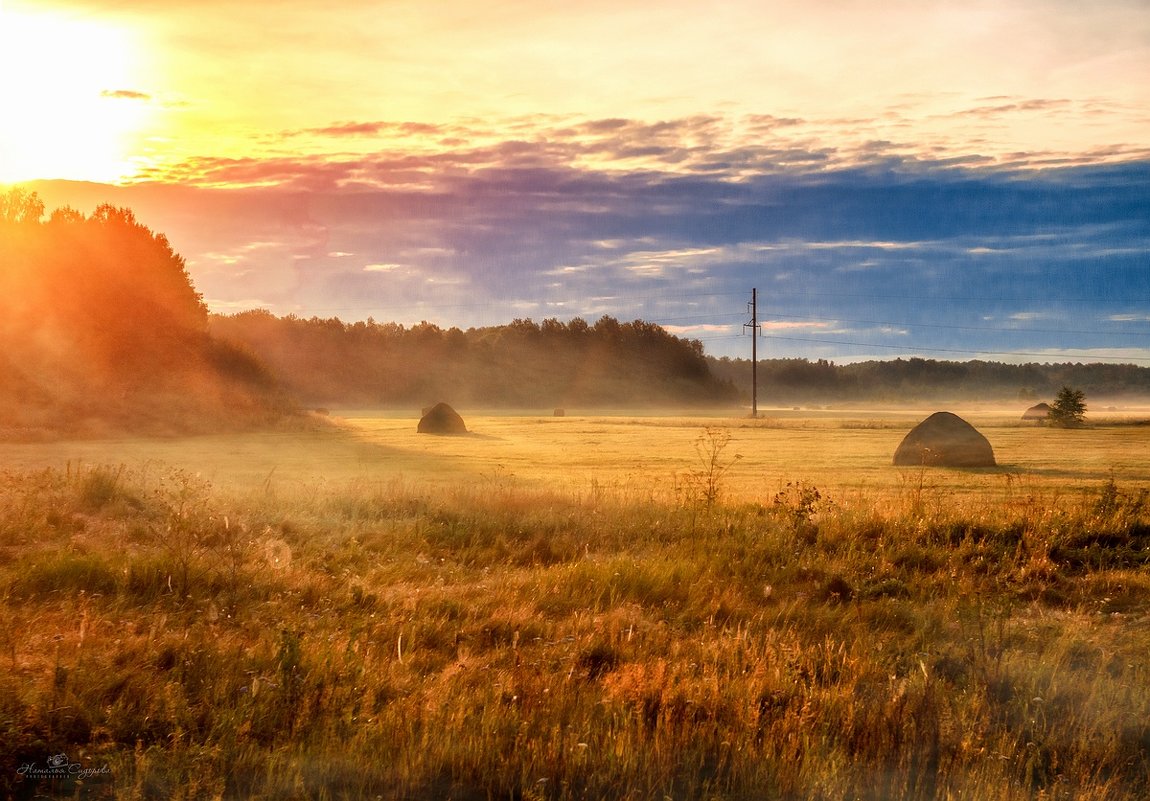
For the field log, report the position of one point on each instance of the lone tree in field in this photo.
(1069, 408)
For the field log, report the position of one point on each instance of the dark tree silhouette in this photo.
(99, 321)
(925, 380)
(1069, 408)
(525, 364)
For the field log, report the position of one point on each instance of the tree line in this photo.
(102, 329)
(915, 379)
(523, 364)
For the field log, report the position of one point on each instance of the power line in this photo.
(1048, 356)
(994, 329)
(894, 324)
(959, 299)
(640, 302)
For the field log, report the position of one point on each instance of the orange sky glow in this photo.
(118, 91)
(466, 163)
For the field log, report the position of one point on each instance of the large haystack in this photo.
(441, 419)
(1039, 412)
(945, 440)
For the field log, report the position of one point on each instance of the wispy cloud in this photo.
(614, 216)
(999, 106)
(727, 150)
(792, 325)
(702, 328)
(125, 94)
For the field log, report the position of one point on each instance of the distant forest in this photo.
(520, 365)
(785, 381)
(328, 362)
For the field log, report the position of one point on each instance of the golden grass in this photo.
(556, 608)
(842, 451)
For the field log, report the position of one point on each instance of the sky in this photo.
(898, 178)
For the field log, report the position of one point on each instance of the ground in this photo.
(846, 452)
(606, 605)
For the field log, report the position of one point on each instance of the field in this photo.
(607, 606)
(848, 452)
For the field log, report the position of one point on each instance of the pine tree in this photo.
(1069, 408)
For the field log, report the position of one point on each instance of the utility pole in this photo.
(753, 308)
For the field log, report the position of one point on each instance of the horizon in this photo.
(1022, 359)
(911, 181)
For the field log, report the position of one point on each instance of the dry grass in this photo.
(511, 627)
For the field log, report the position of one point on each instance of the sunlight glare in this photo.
(68, 100)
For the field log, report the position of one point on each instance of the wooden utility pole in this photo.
(754, 326)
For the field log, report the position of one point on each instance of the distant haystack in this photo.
(441, 419)
(560, 413)
(1039, 413)
(944, 440)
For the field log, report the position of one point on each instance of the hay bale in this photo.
(944, 440)
(1040, 412)
(441, 419)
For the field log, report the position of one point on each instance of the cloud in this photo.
(1015, 106)
(379, 128)
(717, 151)
(348, 129)
(125, 94)
(792, 325)
(702, 328)
(658, 220)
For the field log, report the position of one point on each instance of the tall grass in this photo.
(500, 640)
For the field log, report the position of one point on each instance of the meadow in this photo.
(591, 606)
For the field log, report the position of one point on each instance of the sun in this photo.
(68, 103)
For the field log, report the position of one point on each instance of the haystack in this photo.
(1039, 412)
(945, 440)
(441, 419)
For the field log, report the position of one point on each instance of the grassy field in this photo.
(602, 606)
(847, 452)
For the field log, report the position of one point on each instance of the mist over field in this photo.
(689, 603)
(551, 603)
(556, 402)
(104, 332)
